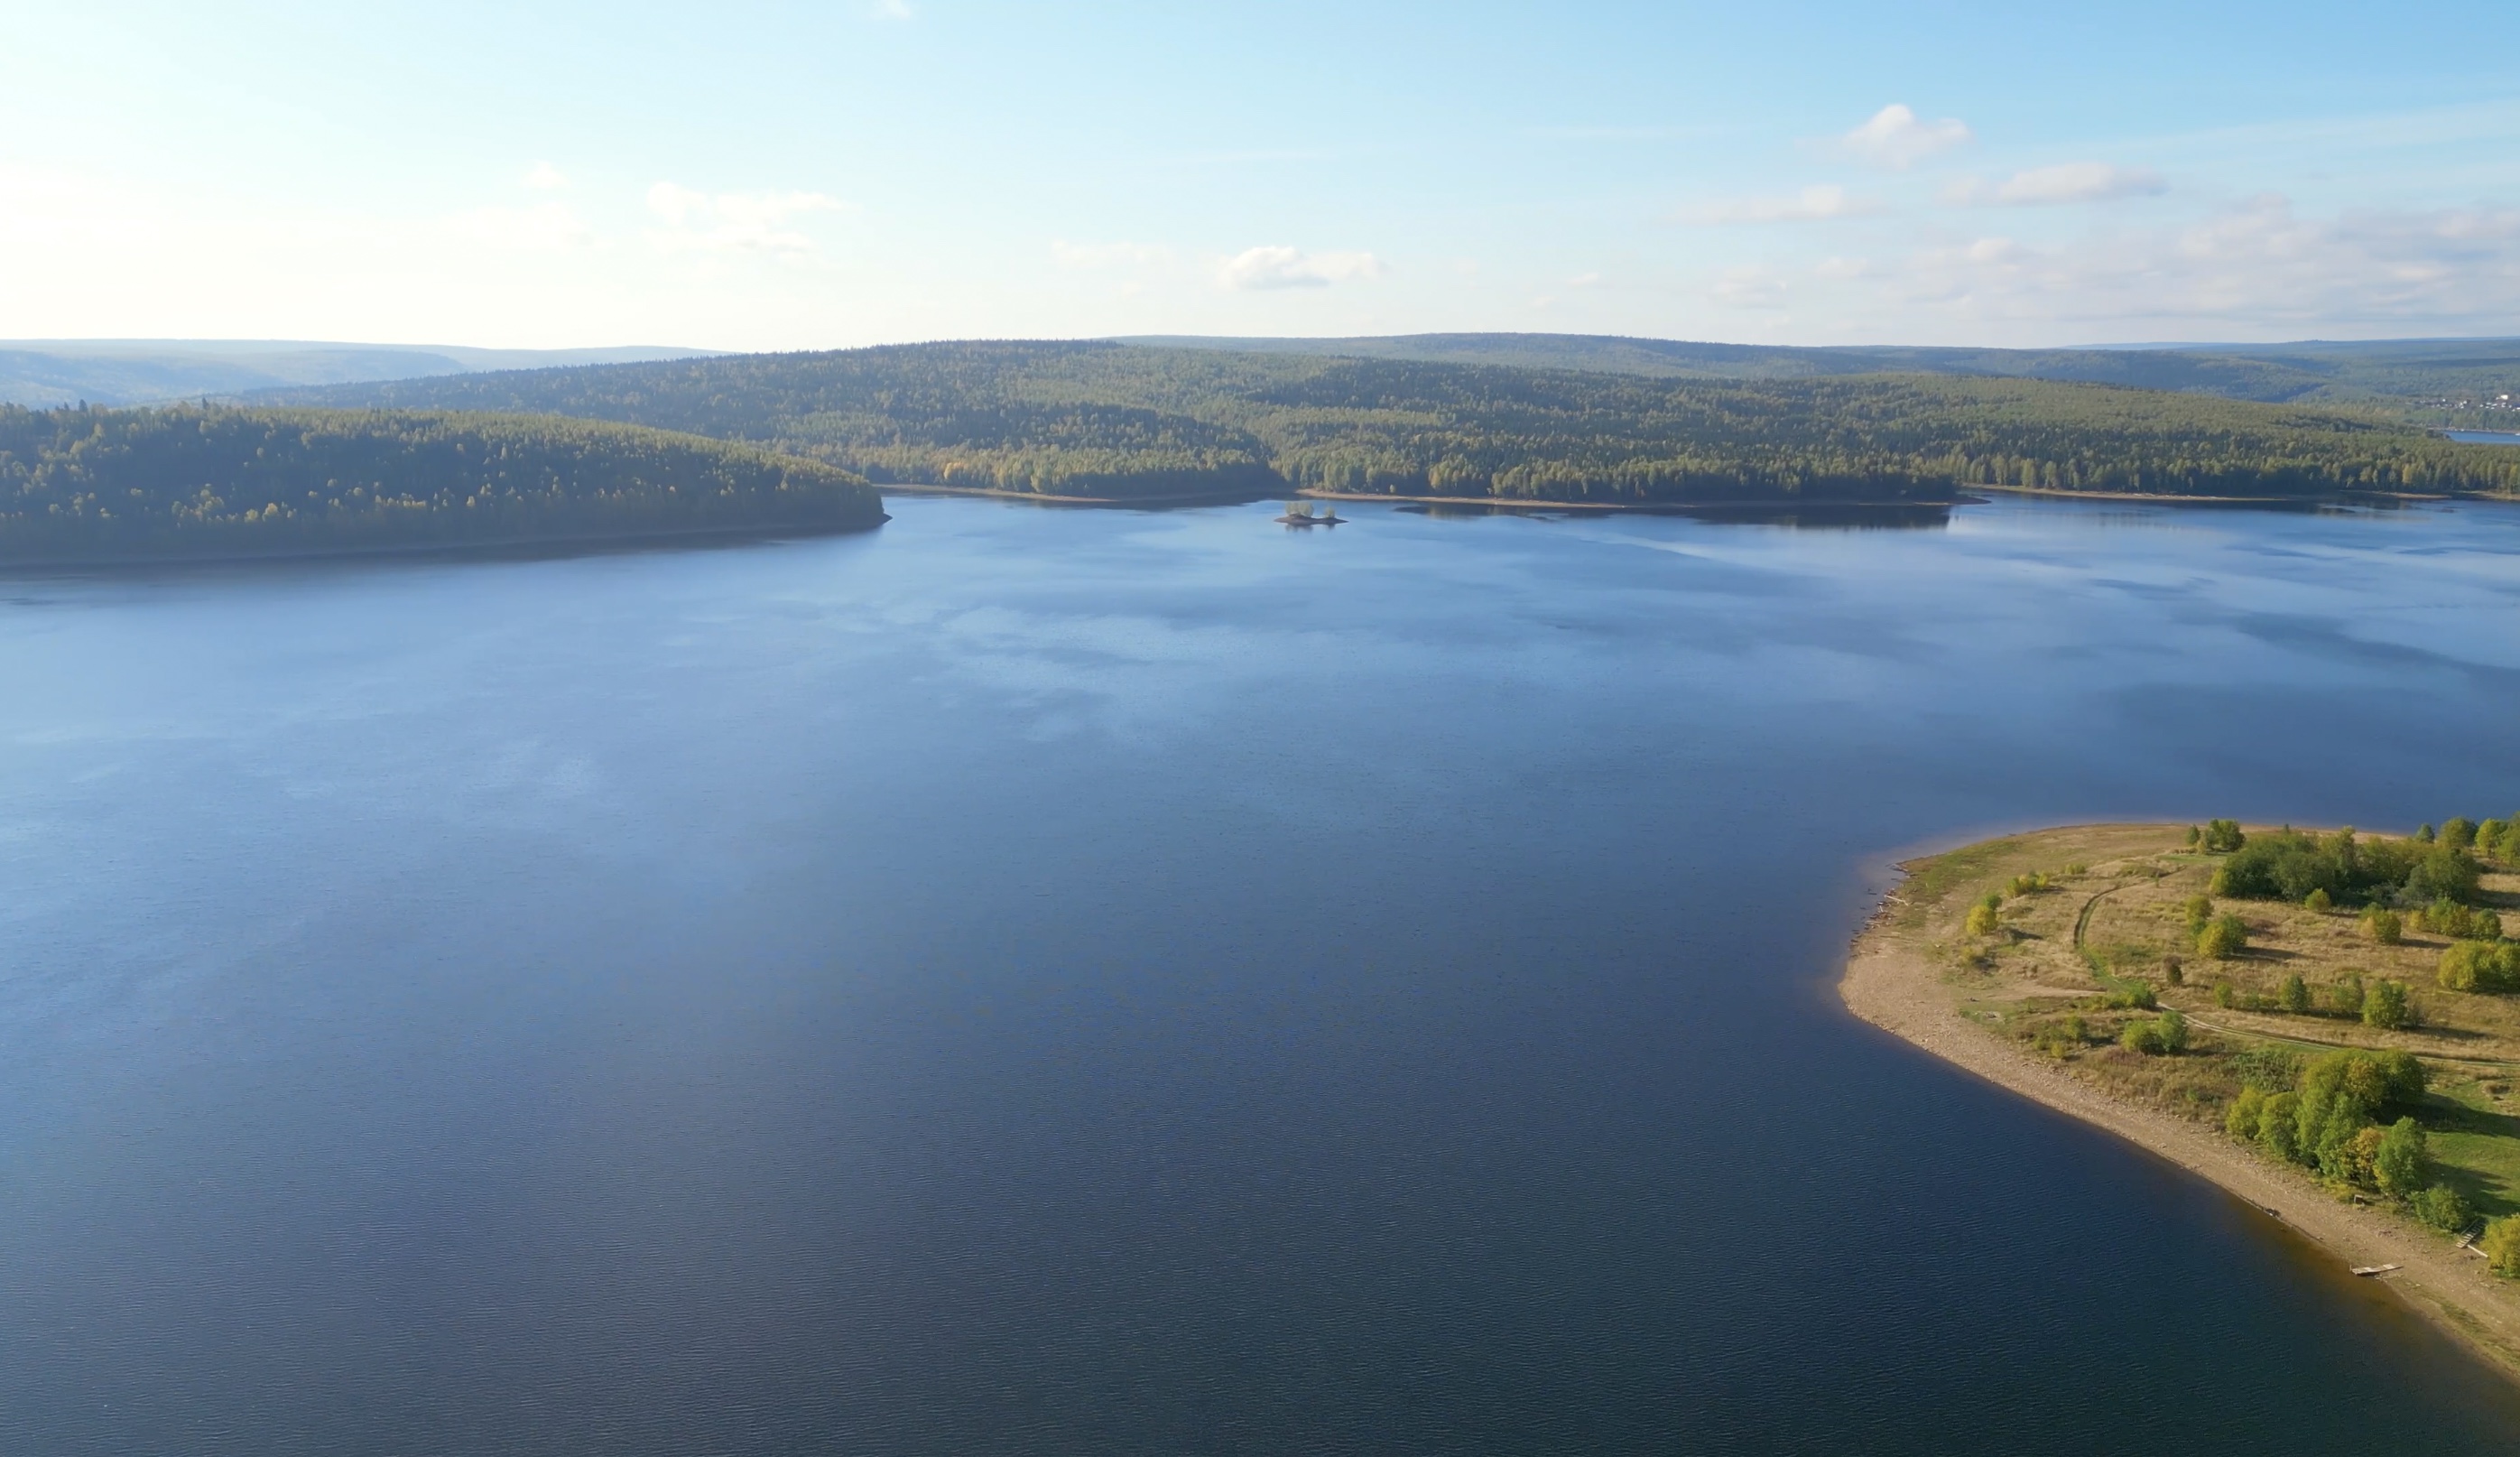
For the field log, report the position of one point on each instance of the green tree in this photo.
(2346, 996)
(2385, 926)
(2221, 837)
(2403, 1164)
(2294, 995)
(2386, 1007)
(2224, 937)
(2174, 1031)
(2241, 1120)
(2444, 1208)
(2280, 1125)
(1984, 920)
(2143, 1035)
(2458, 834)
(2200, 909)
(2501, 1246)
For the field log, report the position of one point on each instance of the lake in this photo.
(1068, 982)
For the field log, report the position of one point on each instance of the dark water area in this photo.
(1029, 981)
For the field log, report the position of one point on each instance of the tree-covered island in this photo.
(2325, 1023)
(102, 485)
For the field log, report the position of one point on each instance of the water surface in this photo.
(1100, 981)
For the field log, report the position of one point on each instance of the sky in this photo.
(750, 175)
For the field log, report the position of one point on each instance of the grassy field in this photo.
(2106, 929)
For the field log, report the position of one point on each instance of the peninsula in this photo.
(2322, 1024)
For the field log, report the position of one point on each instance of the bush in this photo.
(2277, 1125)
(2173, 970)
(2266, 1067)
(2403, 1164)
(2387, 1007)
(2443, 874)
(2384, 926)
(2485, 926)
(2200, 910)
(2346, 996)
(2446, 917)
(2029, 884)
(1983, 920)
(2241, 1120)
(2444, 1208)
(2458, 834)
(2501, 1246)
(2224, 937)
(2221, 837)
(2174, 1031)
(2479, 966)
(2144, 1036)
(2294, 995)
(2319, 901)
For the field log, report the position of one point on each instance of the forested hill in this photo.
(84, 485)
(2466, 383)
(1123, 422)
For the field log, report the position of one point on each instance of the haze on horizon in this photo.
(789, 175)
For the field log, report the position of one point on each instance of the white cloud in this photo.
(2256, 266)
(1811, 205)
(2066, 182)
(1895, 137)
(1281, 267)
(890, 10)
(542, 177)
(733, 221)
(1843, 267)
(1750, 288)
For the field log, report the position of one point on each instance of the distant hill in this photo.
(88, 484)
(1119, 421)
(2419, 379)
(44, 373)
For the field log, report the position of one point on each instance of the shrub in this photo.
(2479, 966)
(2444, 1208)
(2458, 834)
(2174, 1031)
(1983, 920)
(2424, 836)
(2387, 1007)
(2194, 836)
(2443, 874)
(2144, 1036)
(2131, 995)
(2221, 837)
(2224, 937)
(2224, 995)
(2384, 926)
(2294, 995)
(2241, 1120)
(2319, 901)
(2346, 996)
(2266, 1067)
(2501, 1246)
(2173, 970)
(2446, 917)
(2029, 884)
(2402, 1164)
(2485, 926)
(2277, 1125)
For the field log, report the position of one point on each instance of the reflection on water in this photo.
(1152, 982)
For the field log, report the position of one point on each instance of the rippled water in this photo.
(1098, 982)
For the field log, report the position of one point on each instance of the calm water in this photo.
(1093, 982)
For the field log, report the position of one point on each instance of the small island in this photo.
(2326, 1024)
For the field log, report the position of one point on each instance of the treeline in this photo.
(2429, 881)
(92, 484)
(1119, 421)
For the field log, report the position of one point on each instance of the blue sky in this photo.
(790, 176)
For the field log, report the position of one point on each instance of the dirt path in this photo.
(1895, 988)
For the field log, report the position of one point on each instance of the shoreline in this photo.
(1890, 984)
(23, 565)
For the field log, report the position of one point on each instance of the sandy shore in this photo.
(1895, 988)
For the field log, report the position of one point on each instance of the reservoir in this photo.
(1107, 981)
